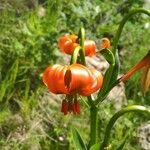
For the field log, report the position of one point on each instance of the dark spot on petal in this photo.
(67, 78)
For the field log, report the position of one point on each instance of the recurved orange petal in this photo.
(69, 47)
(105, 43)
(97, 80)
(145, 84)
(61, 42)
(53, 77)
(66, 43)
(90, 48)
(73, 37)
(80, 77)
(144, 62)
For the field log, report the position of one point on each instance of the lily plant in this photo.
(77, 79)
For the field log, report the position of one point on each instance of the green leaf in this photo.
(95, 146)
(122, 143)
(110, 75)
(121, 146)
(78, 141)
(116, 69)
(108, 55)
(7, 85)
(107, 77)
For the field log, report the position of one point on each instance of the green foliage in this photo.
(95, 146)
(78, 141)
(28, 43)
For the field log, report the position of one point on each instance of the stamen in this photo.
(64, 107)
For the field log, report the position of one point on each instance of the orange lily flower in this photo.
(145, 62)
(75, 78)
(72, 80)
(68, 43)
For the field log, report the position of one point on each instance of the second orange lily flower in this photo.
(68, 43)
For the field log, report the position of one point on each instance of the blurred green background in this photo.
(30, 117)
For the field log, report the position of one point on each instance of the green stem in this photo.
(93, 125)
(93, 109)
(124, 20)
(75, 54)
(90, 100)
(82, 56)
(82, 37)
(134, 108)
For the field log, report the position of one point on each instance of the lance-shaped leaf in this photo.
(78, 141)
(121, 146)
(95, 146)
(123, 142)
(108, 55)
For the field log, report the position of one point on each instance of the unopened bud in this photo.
(105, 43)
